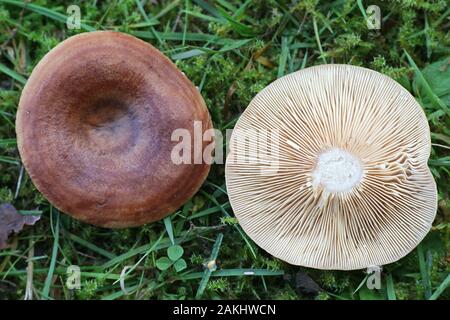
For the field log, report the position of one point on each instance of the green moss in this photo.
(6, 195)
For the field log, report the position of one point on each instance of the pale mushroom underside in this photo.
(328, 169)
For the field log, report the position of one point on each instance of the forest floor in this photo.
(230, 49)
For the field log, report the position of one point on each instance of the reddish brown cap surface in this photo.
(94, 129)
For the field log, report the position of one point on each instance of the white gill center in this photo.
(337, 171)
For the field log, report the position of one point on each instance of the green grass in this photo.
(230, 49)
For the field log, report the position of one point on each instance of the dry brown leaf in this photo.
(265, 62)
(12, 221)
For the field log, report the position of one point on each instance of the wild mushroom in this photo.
(348, 184)
(94, 129)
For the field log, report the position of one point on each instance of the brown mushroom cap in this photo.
(94, 129)
(351, 187)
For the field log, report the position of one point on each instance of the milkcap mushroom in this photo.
(94, 128)
(351, 187)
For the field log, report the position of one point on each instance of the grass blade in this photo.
(51, 269)
(8, 142)
(426, 87)
(12, 74)
(169, 229)
(283, 57)
(233, 273)
(424, 271)
(9, 160)
(91, 246)
(179, 36)
(30, 212)
(209, 8)
(209, 211)
(442, 287)
(390, 288)
(319, 44)
(361, 8)
(208, 271)
(361, 284)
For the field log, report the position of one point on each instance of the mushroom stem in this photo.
(337, 171)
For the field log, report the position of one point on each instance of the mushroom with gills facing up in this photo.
(94, 128)
(328, 169)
